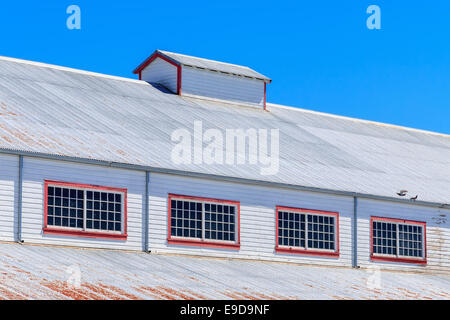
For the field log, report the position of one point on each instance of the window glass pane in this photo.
(62, 205)
(186, 219)
(65, 208)
(220, 222)
(104, 211)
(411, 244)
(384, 238)
(321, 232)
(291, 229)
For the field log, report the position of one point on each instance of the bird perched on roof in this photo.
(415, 198)
(402, 193)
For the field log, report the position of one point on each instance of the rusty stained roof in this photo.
(40, 272)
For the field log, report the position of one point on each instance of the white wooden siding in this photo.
(257, 223)
(9, 172)
(162, 72)
(437, 231)
(257, 217)
(36, 171)
(219, 86)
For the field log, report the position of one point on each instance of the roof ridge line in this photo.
(383, 124)
(68, 69)
(217, 61)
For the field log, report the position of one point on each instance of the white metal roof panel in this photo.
(213, 65)
(39, 272)
(57, 111)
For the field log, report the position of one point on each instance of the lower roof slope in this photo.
(39, 272)
(57, 111)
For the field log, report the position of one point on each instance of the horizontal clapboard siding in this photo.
(257, 232)
(437, 230)
(9, 172)
(162, 72)
(215, 85)
(36, 171)
(257, 214)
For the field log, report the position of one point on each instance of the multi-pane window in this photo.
(220, 222)
(65, 207)
(307, 230)
(398, 238)
(203, 219)
(104, 210)
(186, 219)
(85, 208)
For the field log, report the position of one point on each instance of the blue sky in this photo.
(320, 54)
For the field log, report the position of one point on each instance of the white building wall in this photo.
(35, 171)
(9, 172)
(162, 72)
(220, 86)
(257, 217)
(437, 232)
(257, 214)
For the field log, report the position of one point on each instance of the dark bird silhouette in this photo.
(414, 198)
(402, 193)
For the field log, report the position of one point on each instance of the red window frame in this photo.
(309, 252)
(201, 242)
(52, 230)
(386, 258)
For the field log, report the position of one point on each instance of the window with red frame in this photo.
(84, 209)
(203, 220)
(307, 231)
(398, 239)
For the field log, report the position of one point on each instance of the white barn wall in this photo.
(162, 72)
(9, 173)
(437, 233)
(35, 171)
(257, 217)
(257, 231)
(215, 85)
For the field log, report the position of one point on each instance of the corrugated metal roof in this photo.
(58, 111)
(39, 272)
(211, 65)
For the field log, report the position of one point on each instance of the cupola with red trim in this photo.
(205, 79)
